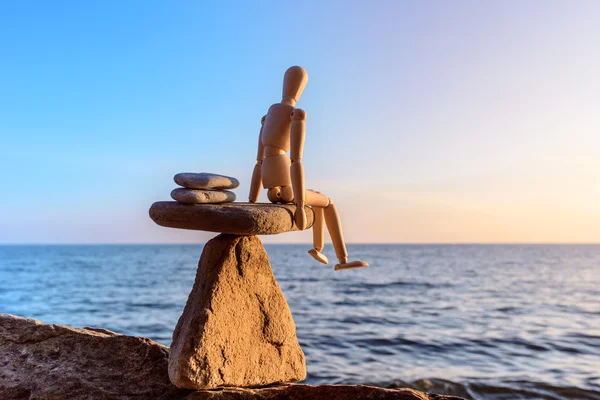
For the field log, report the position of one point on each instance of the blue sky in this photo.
(427, 121)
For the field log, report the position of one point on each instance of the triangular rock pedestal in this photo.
(237, 328)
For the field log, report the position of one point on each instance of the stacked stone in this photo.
(236, 329)
(204, 188)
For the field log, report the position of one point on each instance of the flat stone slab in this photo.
(233, 218)
(205, 180)
(200, 196)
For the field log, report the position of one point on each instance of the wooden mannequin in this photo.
(282, 130)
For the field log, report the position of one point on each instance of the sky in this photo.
(428, 121)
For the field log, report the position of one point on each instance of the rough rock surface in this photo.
(198, 196)
(236, 328)
(39, 361)
(205, 180)
(233, 218)
(59, 362)
(321, 392)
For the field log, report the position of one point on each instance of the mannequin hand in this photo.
(300, 216)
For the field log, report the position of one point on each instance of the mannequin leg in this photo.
(319, 236)
(319, 228)
(334, 226)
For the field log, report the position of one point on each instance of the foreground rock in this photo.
(233, 218)
(39, 361)
(321, 392)
(60, 362)
(236, 328)
(205, 180)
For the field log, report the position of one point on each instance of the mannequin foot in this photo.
(352, 264)
(317, 255)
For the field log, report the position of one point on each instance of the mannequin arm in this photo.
(297, 135)
(256, 181)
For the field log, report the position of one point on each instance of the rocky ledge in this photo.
(41, 361)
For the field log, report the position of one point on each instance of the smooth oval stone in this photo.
(199, 196)
(205, 180)
(233, 218)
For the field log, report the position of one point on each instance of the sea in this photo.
(477, 321)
